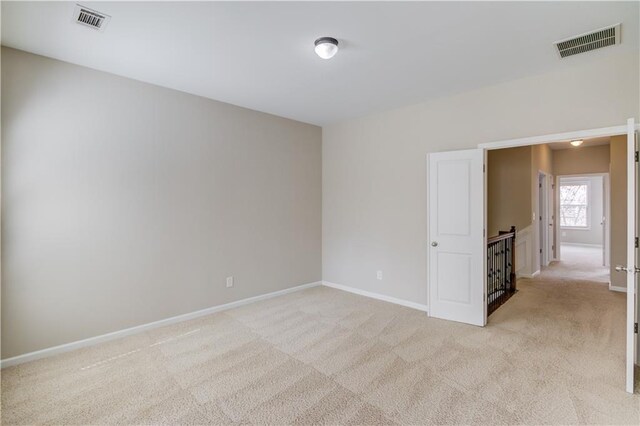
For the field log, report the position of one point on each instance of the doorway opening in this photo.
(557, 195)
(619, 222)
(461, 225)
(583, 212)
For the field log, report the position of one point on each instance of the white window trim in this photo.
(587, 182)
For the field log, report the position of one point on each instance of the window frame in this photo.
(574, 182)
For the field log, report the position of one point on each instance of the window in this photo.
(574, 205)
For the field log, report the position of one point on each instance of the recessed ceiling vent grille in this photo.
(90, 18)
(590, 41)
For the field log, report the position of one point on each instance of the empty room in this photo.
(340, 213)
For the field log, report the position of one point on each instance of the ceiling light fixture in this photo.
(326, 47)
(576, 143)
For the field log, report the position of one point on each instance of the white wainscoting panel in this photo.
(524, 253)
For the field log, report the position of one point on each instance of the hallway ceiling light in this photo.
(326, 47)
(576, 143)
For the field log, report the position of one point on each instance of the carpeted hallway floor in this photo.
(551, 354)
(579, 263)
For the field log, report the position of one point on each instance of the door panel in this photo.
(454, 268)
(456, 222)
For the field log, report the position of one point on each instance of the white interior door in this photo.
(550, 220)
(631, 268)
(457, 244)
(540, 212)
(606, 230)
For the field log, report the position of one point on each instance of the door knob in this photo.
(434, 244)
(621, 268)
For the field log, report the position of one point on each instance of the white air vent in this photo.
(90, 18)
(590, 41)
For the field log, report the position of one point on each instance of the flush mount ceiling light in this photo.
(326, 47)
(576, 143)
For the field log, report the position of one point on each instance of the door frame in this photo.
(606, 204)
(568, 136)
(543, 253)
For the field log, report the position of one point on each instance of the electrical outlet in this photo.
(379, 275)
(229, 282)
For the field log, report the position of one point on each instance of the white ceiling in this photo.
(260, 55)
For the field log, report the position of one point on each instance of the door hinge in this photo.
(484, 168)
(637, 242)
(637, 156)
(540, 251)
(635, 328)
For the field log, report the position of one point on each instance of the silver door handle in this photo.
(434, 244)
(621, 268)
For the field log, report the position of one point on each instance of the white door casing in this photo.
(551, 243)
(631, 267)
(606, 228)
(457, 245)
(541, 220)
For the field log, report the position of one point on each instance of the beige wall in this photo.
(541, 160)
(513, 190)
(126, 203)
(374, 167)
(589, 159)
(508, 189)
(618, 157)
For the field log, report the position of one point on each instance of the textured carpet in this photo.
(578, 262)
(551, 354)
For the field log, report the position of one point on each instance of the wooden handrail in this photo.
(502, 235)
(497, 238)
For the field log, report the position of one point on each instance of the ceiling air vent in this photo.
(590, 41)
(90, 18)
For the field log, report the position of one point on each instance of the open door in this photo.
(631, 269)
(456, 231)
(551, 240)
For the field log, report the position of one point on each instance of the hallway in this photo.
(577, 263)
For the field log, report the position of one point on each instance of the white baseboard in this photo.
(530, 276)
(378, 296)
(31, 356)
(581, 245)
(616, 288)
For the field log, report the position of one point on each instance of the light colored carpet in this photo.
(579, 263)
(551, 354)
